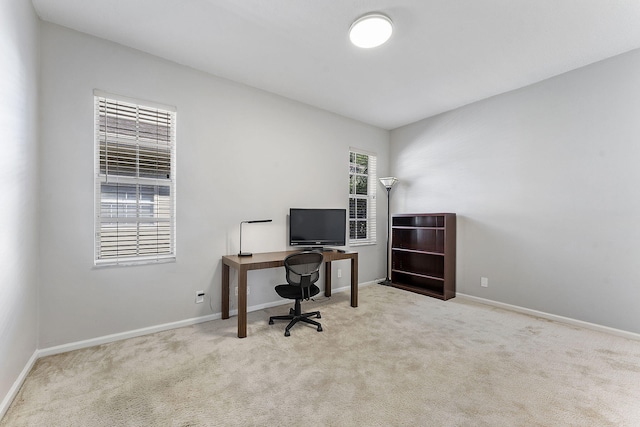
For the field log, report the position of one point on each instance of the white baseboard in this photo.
(164, 327)
(549, 316)
(285, 302)
(13, 391)
(125, 335)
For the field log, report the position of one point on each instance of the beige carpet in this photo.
(400, 359)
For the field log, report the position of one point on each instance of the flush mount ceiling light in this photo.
(370, 30)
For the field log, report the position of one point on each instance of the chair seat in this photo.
(293, 292)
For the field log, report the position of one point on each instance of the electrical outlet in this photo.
(339, 272)
(248, 290)
(199, 297)
(484, 282)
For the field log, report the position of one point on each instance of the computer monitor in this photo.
(316, 228)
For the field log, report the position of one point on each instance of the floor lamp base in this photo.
(385, 282)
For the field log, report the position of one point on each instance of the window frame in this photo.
(145, 169)
(370, 197)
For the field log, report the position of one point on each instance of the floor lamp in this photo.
(388, 182)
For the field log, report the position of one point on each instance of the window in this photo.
(362, 198)
(135, 179)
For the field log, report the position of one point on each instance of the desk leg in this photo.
(354, 281)
(242, 303)
(225, 291)
(327, 279)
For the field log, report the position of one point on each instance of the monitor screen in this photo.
(317, 227)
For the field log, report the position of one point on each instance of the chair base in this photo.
(296, 316)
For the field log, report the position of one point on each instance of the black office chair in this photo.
(302, 272)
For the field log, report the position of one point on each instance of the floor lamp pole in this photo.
(387, 280)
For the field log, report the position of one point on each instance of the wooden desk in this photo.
(273, 260)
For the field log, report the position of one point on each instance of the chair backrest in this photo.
(303, 269)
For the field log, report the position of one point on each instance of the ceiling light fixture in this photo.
(371, 30)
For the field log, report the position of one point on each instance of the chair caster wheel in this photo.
(286, 333)
(291, 311)
(318, 316)
(271, 321)
(319, 328)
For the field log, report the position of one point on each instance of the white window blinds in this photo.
(134, 181)
(362, 198)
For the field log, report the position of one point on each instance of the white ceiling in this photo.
(443, 53)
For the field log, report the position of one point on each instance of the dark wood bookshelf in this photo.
(423, 253)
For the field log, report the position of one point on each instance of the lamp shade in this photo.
(388, 181)
(253, 221)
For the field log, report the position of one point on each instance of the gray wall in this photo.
(242, 154)
(19, 189)
(545, 182)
